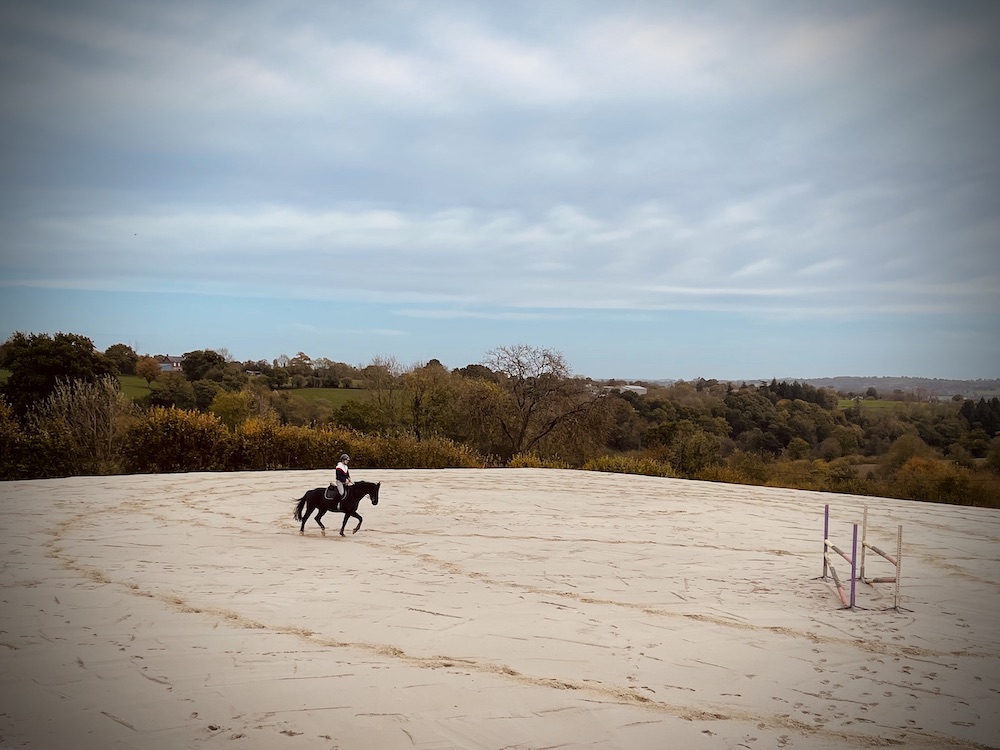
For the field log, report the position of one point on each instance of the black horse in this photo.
(316, 500)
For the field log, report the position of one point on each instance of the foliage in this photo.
(532, 461)
(983, 414)
(232, 409)
(993, 456)
(38, 361)
(123, 357)
(629, 465)
(12, 444)
(928, 479)
(148, 368)
(535, 397)
(822, 397)
(93, 417)
(172, 390)
(428, 406)
(521, 407)
(171, 439)
(903, 449)
(197, 364)
(34, 451)
(692, 449)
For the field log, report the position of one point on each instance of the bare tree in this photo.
(95, 416)
(538, 396)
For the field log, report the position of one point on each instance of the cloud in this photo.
(467, 164)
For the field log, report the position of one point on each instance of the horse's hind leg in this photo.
(305, 517)
(319, 515)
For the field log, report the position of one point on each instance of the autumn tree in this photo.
(427, 398)
(384, 384)
(147, 368)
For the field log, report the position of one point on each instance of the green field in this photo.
(133, 386)
(874, 404)
(336, 397)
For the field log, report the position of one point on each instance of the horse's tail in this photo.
(300, 506)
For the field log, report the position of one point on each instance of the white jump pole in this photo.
(896, 561)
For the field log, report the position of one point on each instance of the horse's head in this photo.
(374, 493)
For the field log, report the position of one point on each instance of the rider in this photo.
(344, 475)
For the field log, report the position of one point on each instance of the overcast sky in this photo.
(654, 189)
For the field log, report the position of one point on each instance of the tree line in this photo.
(519, 406)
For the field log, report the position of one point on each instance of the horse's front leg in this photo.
(360, 519)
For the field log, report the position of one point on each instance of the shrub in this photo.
(923, 478)
(406, 452)
(92, 419)
(629, 465)
(171, 439)
(254, 446)
(531, 461)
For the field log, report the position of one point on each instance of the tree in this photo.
(124, 358)
(692, 449)
(383, 379)
(147, 368)
(233, 408)
(428, 399)
(477, 371)
(904, 448)
(173, 389)
(37, 362)
(196, 364)
(300, 364)
(205, 392)
(537, 396)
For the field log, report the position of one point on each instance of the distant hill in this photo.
(973, 389)
(929, 386)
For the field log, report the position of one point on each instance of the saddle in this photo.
(331, 493)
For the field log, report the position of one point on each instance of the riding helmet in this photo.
(345, 457)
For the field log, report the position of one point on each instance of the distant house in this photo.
(638, 390)
(170, 363)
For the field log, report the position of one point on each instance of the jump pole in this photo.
(826, 536)
(896, 561)
(827, 565)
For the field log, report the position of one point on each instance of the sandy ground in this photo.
(487, 609)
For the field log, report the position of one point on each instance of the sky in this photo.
(656, 190)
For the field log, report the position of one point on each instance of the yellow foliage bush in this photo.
(171, 439)
(630, 465)
(532, 461)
